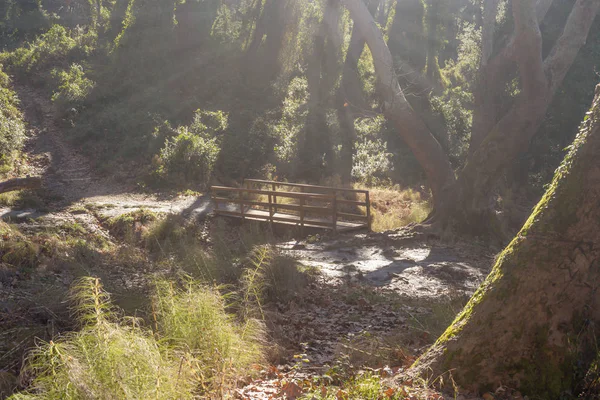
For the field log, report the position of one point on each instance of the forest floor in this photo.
(374, 302)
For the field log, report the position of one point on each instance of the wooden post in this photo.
(301, 216)
(334, 206)
(241, 197)
(368, 210)
(274, 187)
(270, 210)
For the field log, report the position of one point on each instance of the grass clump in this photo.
(16, 249)
(394, 207)
(109, 358)
(192, 320)
(129, 226)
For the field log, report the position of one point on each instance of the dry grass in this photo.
(394, 207)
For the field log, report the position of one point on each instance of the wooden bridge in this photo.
(304, 206)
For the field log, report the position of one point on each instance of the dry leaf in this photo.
(291, 391)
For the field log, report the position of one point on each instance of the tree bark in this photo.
(530, 326)
(350, 97)
(471, 203)
(321, 70)
(33, 182)
(411, 128)
(494, 73)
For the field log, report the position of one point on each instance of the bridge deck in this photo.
(288, 219)
(312, 207)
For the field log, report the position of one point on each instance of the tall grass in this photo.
(192, 320)
(394, 207)
(197, 348)
(109, 358)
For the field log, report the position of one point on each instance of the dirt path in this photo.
(70, 179)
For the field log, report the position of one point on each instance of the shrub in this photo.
(73, 85)
(372, 161)
(12, 128)
(192, 319)
(190, 156)
(47, 48)
(109, 358)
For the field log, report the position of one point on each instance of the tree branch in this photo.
(412, 129)
(573, 37)
(490, 10)
(493, 77)
(34, 182)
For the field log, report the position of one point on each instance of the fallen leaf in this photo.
(390, 392)
(291, 391)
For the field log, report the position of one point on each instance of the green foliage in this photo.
(366, 386)
(224, 349)
(73, 87)
(56, 47)
(110, 357)
(12, 128)
(190, 156)
(372, 161)
(21, 20)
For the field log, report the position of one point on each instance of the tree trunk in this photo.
(350, 97)
(470, 205)
(317, 150)
(34, 182)
(530, 325)
(411, 128)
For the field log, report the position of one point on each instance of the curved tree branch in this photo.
(412, 129)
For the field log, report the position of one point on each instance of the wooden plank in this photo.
(357, 203)
(264, 216)
(367, 199)
(303, 185)
(296, 195)
(311, 209)
(355, 216)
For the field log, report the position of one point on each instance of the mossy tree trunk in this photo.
(530, 325)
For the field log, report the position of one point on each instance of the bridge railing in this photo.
(311, 205)
(359, 197)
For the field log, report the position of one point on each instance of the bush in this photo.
(73, 85)
(372, 162)
(57, 47)
(190, 156)
(12, 128)
(109, 358)
(192, 319)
